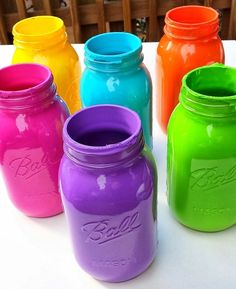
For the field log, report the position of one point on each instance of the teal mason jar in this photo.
(115, 74)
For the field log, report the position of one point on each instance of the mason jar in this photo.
(202, 150)
(191, 39)
(32, 117)
(109, 189)
(115, 74)
(43, 39)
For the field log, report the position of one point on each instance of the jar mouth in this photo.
(112, 45)
(102, 134)
(212, 82)
(191, 15)
(38, 26)
(18, 79)
(191, 22)
(113, 51)
(38, 32)
(20, 85)
(210, 90)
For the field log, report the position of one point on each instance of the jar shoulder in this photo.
(116, 86)
(124, 75)
(128, 183)
(186, 49)
(188, 129)
(61, 53)
(33, 121)
(31, 139)
(170, 44)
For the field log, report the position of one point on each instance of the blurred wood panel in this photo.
(85, 18)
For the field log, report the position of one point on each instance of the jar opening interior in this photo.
(40, 25)
(192, 14)
(213, 81)
(102, 137)
(22, 76)
(102, 126)
(110, 44)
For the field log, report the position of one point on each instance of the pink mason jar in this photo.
(32, 117)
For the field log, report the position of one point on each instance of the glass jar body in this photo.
(112, 216)
(64, 64)
(31, 149)
(176, 57)
(129, 88)
(201, 170)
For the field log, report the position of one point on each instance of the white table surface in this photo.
(37, 254)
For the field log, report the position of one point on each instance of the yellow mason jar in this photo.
(43, 39)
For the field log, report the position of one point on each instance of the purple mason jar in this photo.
(108, 182)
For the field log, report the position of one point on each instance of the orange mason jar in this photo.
(43, 39)
(190, 40)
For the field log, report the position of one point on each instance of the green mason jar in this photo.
(201, 158)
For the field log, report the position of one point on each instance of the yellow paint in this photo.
(43, 39)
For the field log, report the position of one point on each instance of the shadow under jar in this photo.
(32, 117)
(202, 150)
(108, 183)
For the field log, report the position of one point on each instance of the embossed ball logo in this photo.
(26, 167)
(103, 231)
(210, 178)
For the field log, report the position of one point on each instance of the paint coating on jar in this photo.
(115, 74)
(108, 183)
(202, 150)
(32, 118)
(191, 40)
(43, 39)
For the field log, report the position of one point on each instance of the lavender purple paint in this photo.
(108, 186)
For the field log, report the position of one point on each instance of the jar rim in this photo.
(21, 84)
(38, 32)
(191, 22)
(55, 22)
(128, 43)
(172, 19)
(217, 66)
(113, 51)
(100, 118)
(199, 95)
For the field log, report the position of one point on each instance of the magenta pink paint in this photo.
(32, 118)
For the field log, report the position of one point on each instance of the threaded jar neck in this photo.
(113, 52)
(210, 91)
(103, 136)
(25, 86)
(191, 22)
(39, 32)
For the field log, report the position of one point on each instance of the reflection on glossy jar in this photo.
(191, 40)
(108, 184)
(115, 74)
(42, 39)
(32, 117)
(202, 150)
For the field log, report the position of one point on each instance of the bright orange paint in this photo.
(191, 40)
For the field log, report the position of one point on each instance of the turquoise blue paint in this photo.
(115, 74)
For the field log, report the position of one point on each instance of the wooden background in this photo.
(84, 18)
